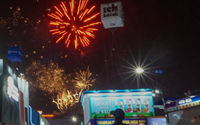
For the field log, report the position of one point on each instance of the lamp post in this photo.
(138, 71)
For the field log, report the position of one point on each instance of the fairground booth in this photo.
(137, 105)
(183, 111)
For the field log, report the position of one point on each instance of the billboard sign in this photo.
(137, 102)
(131, 105)
(112, 15)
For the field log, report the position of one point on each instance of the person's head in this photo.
(119, 115)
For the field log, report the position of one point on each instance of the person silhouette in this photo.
(119, 116)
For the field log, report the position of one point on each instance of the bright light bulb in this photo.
(74, 119)
(139, 70)
(157, 91)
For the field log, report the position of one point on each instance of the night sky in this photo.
(165, 33)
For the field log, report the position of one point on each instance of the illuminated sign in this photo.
(15, 54)
(183, 103)
(33, 117)
(134, 102)
(112, 15)
(48, 115)
(12, 89)
(126, 121)
(131, 105)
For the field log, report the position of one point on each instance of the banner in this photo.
(125, 121)
(112, 15)
(98, 104)
(131, 105)
(183, 103)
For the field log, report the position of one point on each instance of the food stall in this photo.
(183, 111)
(137, 105)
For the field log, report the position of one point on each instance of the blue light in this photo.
(115, 91)
(30, 114)
(158, 71)
(15, 54)
(112, 91)
(33, 116)
(143, 90)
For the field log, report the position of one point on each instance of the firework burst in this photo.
(65, 89)
(50, 79)
(75, 25)
(65, 100)
(84, 79)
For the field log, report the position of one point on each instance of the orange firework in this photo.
(74, 25)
